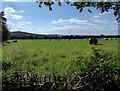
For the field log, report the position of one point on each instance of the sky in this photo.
(29, 17)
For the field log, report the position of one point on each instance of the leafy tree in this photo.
(80, 5)
(101, 35)
(5, 30)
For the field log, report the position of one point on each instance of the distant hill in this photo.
(26, 35)
(20, 34)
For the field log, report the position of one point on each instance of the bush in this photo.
(93, 40)
(102, 73)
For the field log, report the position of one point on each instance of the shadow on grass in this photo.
(99, 44)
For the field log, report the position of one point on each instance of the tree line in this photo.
(65, 37)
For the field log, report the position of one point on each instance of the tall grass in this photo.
(53, 57)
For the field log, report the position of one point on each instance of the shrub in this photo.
(102, 73)
(93, 40)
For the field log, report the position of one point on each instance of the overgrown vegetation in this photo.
(52, 57)
(98, 71)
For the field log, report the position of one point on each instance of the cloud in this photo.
(9, 10)
(68, 29)
(64, 29)
(74, 30)
(14, 20)
(75, 26)
(18, 26)
(69, 21)
(24, 23)
(101, 14)
(73, 21)
(96, 16)
(21, 11)
(97, 20)
(72, 26)
(13, 16)
(10, 14)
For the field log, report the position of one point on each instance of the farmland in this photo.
(53, 57)
(66, 65)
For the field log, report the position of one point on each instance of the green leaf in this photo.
(50, 8)
(89, 11)
(115, 13)
(59, 3)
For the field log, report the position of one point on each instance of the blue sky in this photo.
(28, 17)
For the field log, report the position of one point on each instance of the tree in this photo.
(5, 30)
(80, 5)
(101, 35)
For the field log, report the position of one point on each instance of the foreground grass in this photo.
(53, 57)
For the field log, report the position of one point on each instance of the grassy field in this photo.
(53, 57)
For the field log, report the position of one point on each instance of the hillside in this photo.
(26, 35)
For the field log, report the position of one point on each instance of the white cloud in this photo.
(64, 29)
(9, 10)
(73, 21)
(70, 21)
(72, 26)
(97, 20)
(74, 30)
(21, 11)
(13, 16)
(68, 29)
(96, 16)
(101, 14)
(77, 26)
(10, 14)
(18, 26)
(24, 23)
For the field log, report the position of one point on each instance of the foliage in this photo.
(5, 33)
(80, 5)
(101, 72)
(5, 30)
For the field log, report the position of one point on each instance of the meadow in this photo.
(55, 57)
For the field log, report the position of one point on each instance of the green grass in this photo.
(52, 57)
